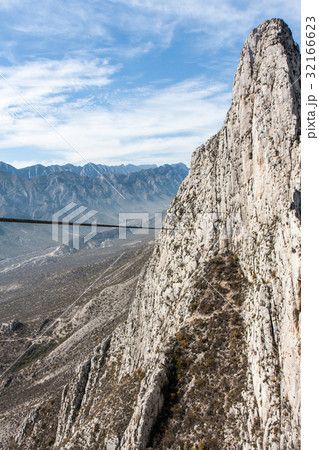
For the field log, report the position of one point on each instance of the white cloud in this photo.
(143, 125)
(49, 87)
(148, 23)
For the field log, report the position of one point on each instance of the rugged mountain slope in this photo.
(88, 170)
(149, 191)
(40, 197)
(209, 354)
(90, 293)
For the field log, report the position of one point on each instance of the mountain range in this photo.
(89, 169)
(144, 191)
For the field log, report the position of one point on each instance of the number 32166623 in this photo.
(310, 47)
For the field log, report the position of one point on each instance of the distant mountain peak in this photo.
(90, 169)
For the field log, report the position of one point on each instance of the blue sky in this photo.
(120, 81)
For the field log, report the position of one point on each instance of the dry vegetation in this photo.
(208, 365)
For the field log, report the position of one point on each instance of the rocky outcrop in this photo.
(209, 354)
(10, 327)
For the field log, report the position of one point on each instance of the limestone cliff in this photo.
(209, 354)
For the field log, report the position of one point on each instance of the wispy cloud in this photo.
(141, 125)
(144, 23)
(50, 86)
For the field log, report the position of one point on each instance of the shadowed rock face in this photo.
(212, 336)
(296, 204)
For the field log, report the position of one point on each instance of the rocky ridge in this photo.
(88, 170)
(213, 333)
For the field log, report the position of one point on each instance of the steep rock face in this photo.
(232, 269)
